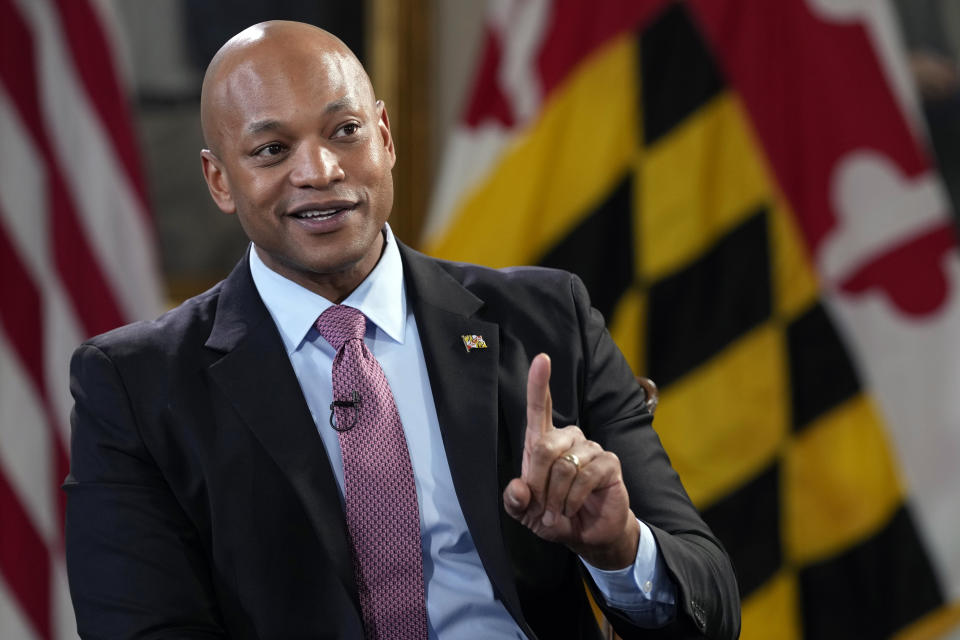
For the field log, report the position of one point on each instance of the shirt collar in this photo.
(381, 297)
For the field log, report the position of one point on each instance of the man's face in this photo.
(303, 158)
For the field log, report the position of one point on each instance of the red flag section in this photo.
(816, 93)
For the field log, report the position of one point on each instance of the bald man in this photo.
(208, 495)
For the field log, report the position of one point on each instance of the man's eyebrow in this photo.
(259, 126)
(263, 125)
(340, 104)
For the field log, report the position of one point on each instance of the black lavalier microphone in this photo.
(354, 404)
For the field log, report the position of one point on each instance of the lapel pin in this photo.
(473, 342)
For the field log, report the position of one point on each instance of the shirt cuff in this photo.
(643, 591)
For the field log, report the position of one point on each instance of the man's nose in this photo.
(316, 166)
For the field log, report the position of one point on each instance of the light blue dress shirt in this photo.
(459, 594)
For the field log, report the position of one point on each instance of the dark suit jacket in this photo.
(201, 502)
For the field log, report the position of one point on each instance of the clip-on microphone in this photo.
(346, 404)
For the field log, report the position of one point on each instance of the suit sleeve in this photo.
(135, 562)
(615, 416)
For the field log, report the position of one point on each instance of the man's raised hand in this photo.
(570, 490)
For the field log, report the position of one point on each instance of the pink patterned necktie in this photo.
(381, 499)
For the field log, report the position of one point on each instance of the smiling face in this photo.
(301, 151)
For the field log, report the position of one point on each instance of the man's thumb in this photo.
(516, 498)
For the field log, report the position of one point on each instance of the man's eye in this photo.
(347, 130)
(269, 150)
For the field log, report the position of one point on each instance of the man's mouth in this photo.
(318, 214)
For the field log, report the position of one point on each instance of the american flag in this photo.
(77, 257)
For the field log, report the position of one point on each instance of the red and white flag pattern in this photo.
(77, 257)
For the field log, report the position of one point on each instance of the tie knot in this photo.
(340, 323)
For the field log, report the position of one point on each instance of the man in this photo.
(201, 501)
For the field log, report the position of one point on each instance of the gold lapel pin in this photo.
(473, 342)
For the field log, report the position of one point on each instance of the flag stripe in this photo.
(23, 189)
(93, 62)
(23, 201)
(35, 317)
(20, 312)
(13, 621)
(92, 298)
(25, 447)
(119, 236)
(24, 560)
(78, 257)
(20, 317)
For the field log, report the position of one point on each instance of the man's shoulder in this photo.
(487, 282)
(185, 327)
(518, 276)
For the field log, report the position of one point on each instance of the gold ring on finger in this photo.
(572, 459)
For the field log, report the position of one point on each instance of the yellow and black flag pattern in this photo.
(643, 175)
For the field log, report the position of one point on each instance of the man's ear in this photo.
(217, 181)
(383, 123)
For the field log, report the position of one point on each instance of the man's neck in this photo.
(335, 287)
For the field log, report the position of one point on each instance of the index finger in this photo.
(539, 402)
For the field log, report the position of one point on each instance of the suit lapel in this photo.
(465, 391)
(464, 385)
(258, 379)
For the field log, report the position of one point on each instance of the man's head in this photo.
(300, 149)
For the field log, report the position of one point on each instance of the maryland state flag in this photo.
(743, 186)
